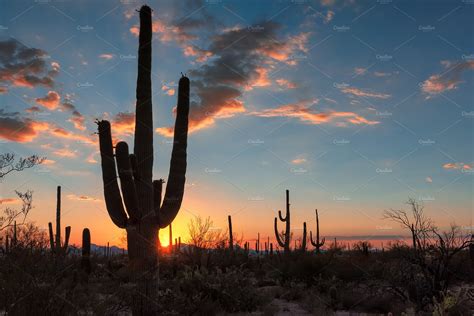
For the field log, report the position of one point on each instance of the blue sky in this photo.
(353, 106)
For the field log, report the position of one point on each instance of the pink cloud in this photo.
(285, 83)
(448, 80)
(50, 101)
(363, 93)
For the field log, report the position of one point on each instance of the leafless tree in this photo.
(9, 164)
(203, 235)
(433, 249)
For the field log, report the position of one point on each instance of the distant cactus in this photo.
(271, 248)
(57, 248)
(318, 244)
(257, 244)
(145, 212)
(86, 250)
(286, 243)
(15, 237)
(231, 236)
(303, 238)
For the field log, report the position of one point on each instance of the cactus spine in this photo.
(285, 244)
(55, 240)
(231, 236)
(318, 244)
(145, 212)
(86, 250)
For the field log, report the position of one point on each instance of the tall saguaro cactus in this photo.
(318, 244)
(286, 243)
(55, 240)
(145, 212)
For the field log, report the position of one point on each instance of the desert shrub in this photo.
(198, 291)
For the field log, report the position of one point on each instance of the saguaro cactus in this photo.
(231, 236)
(318, 244)
(303, 238)
(55, 240)
(86, 250)
(286, 243)
(170, 246)
(144, 213)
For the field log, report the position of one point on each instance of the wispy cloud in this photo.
(364, 93)
(50, 101)
(449, 80)
(302, 111)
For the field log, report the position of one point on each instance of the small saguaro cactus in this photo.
(303, 238)
(86, 250)
(231, 236)
(57, 248)
(318, 244)
(285, 244)
(15, 237)
(145, 212)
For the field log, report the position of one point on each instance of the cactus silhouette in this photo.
(55, 240)
(170, 246)
(285, 244)
(86, 250)
(231, 236)
(303, 238)
(145, 212)
(318, 244)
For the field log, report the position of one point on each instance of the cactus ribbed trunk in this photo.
(287, 234)
(144, 212)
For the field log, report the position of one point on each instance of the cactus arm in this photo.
(177, 174)
(311, 239)
(143, 139)
(113, 199)
(51, 236)
(66, 238)
(277, 235)
(157, 193)
(125, 172)
(281, 217)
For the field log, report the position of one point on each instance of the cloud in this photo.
(298, 161)
(65, 153)
(34, 109)
(242, 58)
(9, 201)
(458, 165)
(60, 132)
(364, 93)
(22, 66)
(15, 128)
(106, 56)
(301, 110)
(124, 123)
(77, 119)
(50, 101)
(429, 180)
(169, 91)
(360, 71)
(84, 198)
(448, 80)
(286, 83)
(201, 54)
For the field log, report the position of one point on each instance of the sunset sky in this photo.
(354, 106)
